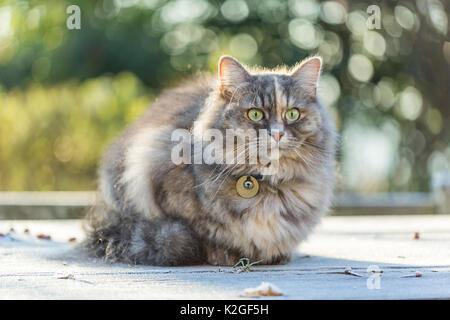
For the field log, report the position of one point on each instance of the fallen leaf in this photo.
(73, 239)
(44, 237)
(69, 276)
(416, 236)
(264, 289)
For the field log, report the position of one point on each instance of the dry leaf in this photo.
(69, 276)
(264, 289)
(44, 237)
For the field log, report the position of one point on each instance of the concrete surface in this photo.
(32, 268)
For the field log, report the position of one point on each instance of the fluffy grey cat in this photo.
(154, 211)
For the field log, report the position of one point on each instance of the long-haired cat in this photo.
(157, 212)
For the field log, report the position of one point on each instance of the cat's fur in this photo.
(155, 212)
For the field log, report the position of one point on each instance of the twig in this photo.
(414, 275)
(245, 265)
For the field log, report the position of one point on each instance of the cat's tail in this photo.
(130, 238)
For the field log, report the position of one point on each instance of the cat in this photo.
(156, 212)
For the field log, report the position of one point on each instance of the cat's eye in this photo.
(292, 114)
(255, 114)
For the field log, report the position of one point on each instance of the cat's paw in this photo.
(221, 257)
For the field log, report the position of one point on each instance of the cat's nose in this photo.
(277, 134)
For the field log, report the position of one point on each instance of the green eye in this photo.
(292, 114)
(255, 114)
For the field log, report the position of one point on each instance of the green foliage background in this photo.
(64, 94)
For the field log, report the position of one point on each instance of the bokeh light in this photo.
(410, 103)
(234, 10)
(360, 67)
(374, 43)
(438, 17)
(329, 90)
(308, 9)
(304, 34)
(404, 17)
(332, 12)
(74, 90)
(243, 46)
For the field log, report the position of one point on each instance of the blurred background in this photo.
(64, 94)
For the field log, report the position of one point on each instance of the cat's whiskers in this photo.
(216, 177)
(220, 186)
(229, 170)
(221, 172)
(305, 155)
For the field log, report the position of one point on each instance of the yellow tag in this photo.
(247, 187)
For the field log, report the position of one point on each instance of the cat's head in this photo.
(284, 102)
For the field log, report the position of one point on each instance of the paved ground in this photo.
(33, 268)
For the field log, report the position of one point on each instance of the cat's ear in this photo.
(307, 74)
(231, 76)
